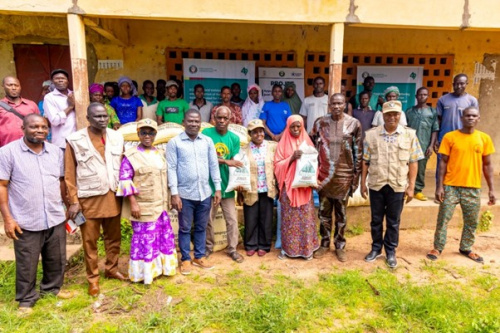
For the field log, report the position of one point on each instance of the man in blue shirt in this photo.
(450, 107)
(192, 160)
(274, 115)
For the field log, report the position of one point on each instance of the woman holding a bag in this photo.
(298, 222)
(258, 201)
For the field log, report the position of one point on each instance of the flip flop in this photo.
(472, 256)
(433, 254)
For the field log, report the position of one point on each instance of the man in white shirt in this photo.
(59, 108)
(316, 105)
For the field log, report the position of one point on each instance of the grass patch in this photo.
(354, 230)
(241, 301)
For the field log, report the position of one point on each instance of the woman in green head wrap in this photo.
(390, 94)
(292, 98)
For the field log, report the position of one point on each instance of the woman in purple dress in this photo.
(143, 181)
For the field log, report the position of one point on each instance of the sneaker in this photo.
(202, 263)
(391, 260)
(186, 267)
(320, 252)
(341, 256)
(420, 196)
(372, 256)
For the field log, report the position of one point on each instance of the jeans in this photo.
(388, 203)
(197, 211)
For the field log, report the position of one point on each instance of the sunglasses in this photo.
(145, 133)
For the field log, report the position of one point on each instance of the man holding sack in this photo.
(338, 140)
(227, 145)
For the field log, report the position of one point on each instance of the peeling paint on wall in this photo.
(482, 72)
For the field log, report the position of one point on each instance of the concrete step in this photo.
(73, 244)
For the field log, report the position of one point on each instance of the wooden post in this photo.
(336, 55)
(78, 51)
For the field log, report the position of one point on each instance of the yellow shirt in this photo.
(465, 161)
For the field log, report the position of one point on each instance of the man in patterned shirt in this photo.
(390, 156)
(338, 140)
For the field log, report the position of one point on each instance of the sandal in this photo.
(282, 256)
(433, 254)
(237, 257)
(472, 256)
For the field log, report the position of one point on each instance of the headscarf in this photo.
(96, 87)
(391, 89)
(251, 110)
(124, 79)
(294, 101)
(283, 170)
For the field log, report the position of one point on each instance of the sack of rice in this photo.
(220, 231)
(130, 144)
(167, 131)
(357, 199)
(307, 167)
(205, 125)
(241, 132)
(129, 131)
(239, 176)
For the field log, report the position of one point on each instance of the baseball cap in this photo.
(392, 106)
(147, 123)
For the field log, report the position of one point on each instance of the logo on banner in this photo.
(413, 75)
(244, 70)
(281, 73)
(365, 75)
(193, 69)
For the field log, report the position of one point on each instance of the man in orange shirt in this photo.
(465, 152)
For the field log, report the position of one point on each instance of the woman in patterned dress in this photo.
(143, 181)
(299, 236)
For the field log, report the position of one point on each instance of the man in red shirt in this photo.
(10, 122)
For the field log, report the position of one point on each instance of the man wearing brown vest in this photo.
(390, 156)
(92, 160)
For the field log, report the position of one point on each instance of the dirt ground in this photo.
(413, 246)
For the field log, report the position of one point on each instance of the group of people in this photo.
(87, 176)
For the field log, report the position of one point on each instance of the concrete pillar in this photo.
(336, 54)
(78, 51)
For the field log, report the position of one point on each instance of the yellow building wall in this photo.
(421, 13)
(144, 56)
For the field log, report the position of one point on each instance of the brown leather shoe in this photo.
(94, 289)
(116, 275)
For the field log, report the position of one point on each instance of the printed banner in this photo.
(269, 76)
(214, 74)
(407, 78)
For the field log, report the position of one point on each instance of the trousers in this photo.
(91, 231)
(389, 204)
(229, 211)
(470, 202)
(327, 206)
(259, 224)
(51, 245)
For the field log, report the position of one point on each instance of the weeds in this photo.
(243, 301)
